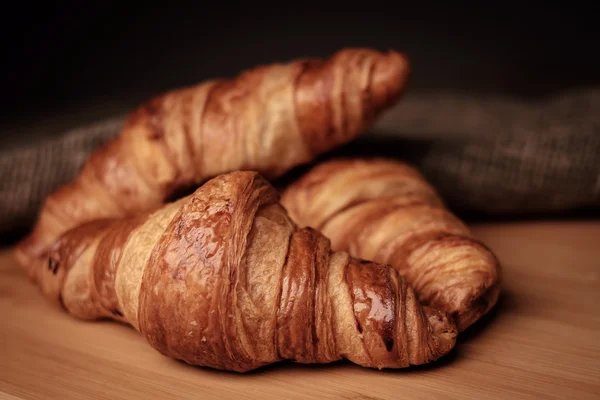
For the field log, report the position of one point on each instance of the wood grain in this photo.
(541, 341)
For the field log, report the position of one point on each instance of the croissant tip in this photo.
(19, 254)
(480, 307)
(444, 329)
(390, 77)
(24, 252)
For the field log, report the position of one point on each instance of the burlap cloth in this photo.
(485, 154)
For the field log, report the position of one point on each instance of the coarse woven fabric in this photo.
(484, 154)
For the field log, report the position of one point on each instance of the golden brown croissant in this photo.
(385, 211)
(223, 278)
(268, 119)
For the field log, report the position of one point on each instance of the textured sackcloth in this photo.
(485, 154)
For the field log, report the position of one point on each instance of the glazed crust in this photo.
(223, 278)
(268, 119)
(384, 210)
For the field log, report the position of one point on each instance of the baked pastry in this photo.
(268, 119)
(223, 278)
(384, 210)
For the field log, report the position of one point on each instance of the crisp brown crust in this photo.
(346, 105)
(268, 119)
(50, 274)
(107, 259)
(223, 278)
(383, 210)
(304, 318)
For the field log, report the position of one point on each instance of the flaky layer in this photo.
(223, 278)
(384, 210)
(268, 119)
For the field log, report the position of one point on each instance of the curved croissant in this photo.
(385, 211)
(268, 119)
(223, 278)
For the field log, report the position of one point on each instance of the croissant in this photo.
(268, 119)
(223, 278)
(383, 210)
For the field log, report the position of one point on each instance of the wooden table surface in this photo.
(541, 341)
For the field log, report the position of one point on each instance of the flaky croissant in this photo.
(223, 278)
(385, 211)
(268, 119)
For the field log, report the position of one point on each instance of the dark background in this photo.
(73, 63)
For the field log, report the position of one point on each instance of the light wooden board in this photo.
(542, 341)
